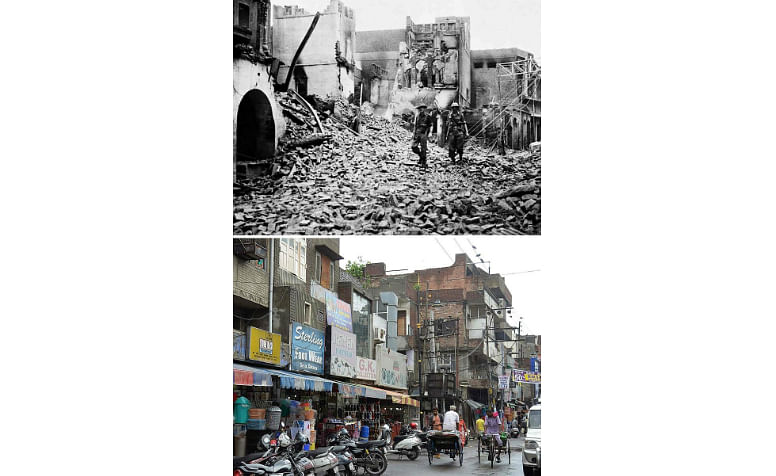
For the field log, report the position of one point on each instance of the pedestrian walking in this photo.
(457, 133)
(423, 125)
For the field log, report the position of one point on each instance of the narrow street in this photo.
(348, 182)
(446, 466)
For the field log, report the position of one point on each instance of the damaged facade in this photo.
(257, 120)
(422, 63)
(326, 65)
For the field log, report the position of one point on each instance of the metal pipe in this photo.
(271, 278)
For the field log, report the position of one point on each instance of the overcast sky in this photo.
(494, 23)
(508, 255)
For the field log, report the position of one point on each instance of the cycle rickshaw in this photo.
(487, 444)
(447, 442)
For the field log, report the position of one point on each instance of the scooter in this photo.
(403, 445)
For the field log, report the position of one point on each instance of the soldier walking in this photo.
(457, 132)
(423, 125)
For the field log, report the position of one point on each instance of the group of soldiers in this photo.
(457, 133)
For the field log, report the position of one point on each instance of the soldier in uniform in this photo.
(423, 125)
(457, 132)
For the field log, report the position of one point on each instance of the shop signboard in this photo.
(342, 318)
(503, 381)
(341, 346)
(337, 311)
(239, 344)
(307, 349)
(524, 376)
(391, 369)
(263, 346)
(366, 369)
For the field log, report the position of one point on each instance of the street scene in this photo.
(350, 120)
(359, 355)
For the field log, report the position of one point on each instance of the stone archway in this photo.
(255, 134)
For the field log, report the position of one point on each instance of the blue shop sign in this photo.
(307, 349)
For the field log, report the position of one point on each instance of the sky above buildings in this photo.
(494, 23)
(508, 255)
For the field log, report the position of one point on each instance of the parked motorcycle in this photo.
(407, 444)
(279, 459)
(367, 454)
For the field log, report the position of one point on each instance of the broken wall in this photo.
(248, 76)
(335, 31)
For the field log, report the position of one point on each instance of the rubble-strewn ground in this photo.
(369, 183)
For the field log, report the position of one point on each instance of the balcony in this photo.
(249, 250)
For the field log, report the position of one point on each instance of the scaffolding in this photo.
(518, 103)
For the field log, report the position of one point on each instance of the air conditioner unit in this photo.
(379, 334)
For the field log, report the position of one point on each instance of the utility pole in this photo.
(419, 349)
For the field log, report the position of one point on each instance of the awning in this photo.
(302, 382)
(251, 376)
(401, 398)
(356, 390)
(474, 405)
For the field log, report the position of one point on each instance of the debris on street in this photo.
(358, 176)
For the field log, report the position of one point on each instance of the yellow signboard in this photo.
(264, 346)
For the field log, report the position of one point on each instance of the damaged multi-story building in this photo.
(326, 65)
(507, 96)
(427, 63)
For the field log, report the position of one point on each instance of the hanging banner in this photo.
(307, 349)
(503, 381)
(391, 369)
(341, 346)
(263, 346)
(366, 369)
(524, 376)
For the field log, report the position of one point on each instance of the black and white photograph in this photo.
(402, 117)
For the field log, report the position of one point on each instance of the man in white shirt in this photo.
(451, 420)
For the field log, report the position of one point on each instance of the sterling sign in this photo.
(307, 349)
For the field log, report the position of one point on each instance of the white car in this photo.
(532, 447)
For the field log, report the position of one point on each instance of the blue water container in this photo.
(364, 431)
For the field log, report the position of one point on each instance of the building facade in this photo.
(326, 65)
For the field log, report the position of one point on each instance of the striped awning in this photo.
(356, 390)
(251, 376)
(302, 382)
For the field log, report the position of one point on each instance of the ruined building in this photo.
(426, 63)
(484, 81)
(257, 121)
(326, 64)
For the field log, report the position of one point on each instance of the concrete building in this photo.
(297, 263)
(327, 62)
(422, 63)
(362, 310)
(470, 299)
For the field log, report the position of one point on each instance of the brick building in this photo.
(468, 296)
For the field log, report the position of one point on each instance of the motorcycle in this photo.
(366, 454)
(278, 459)
(407, 444)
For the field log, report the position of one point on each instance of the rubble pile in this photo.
(346, 182)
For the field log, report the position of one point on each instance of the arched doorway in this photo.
(255, 127)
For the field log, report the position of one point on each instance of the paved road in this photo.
(447, 467)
